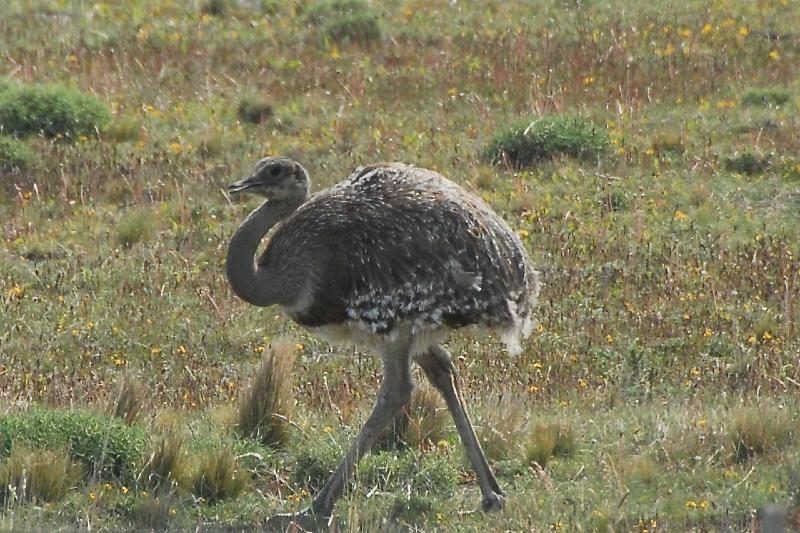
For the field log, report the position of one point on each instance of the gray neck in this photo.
(258, 285)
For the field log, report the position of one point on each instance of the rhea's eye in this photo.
(275, 170)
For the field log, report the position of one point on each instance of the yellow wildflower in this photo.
(774, 55)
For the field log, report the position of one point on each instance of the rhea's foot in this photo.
(304, 520)
(492, 502)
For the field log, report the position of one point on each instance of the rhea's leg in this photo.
(442, 374)
(394, 392)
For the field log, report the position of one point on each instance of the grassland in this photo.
(661, 389)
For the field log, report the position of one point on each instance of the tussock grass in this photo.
(547, 440)
(501, 428)
(162, 467)
(527, 142)
(135, 226)
(266, 406)
(36, 475)
(217, 477)
(152, 513)
(129, 400)
(52, 110)
(420, 425)
(758, 430)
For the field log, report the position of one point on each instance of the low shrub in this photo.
(14, 154)
(253, 108)
(344, 21)
(528, 142)
(106, 445)
(766, 97)
(748, 163)
(52, 110)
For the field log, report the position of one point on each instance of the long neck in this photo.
(252, 283)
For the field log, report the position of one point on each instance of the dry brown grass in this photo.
(130, 399)
(267, 404)
(36, 475)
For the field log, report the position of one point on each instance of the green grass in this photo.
(661, 385)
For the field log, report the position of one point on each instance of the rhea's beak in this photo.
(242, 185)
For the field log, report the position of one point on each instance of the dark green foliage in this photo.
(217, 477)
(344, 21)
(771, 97)
(107, 446)
(411, 508)
(254, 108)
(14, 154)
(748, 163)
(528, 142)
(53, 110)
(216, 7)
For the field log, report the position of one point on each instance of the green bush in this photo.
(53, 110)
(747, 163)
(107, 446)
(344, 21)
(528, 142)
(14, 154)
(771, 97)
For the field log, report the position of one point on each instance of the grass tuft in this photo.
(52, 110)
(135, 226)
(162, 466)
(420, 425)
(266, 406)
(547, 440)
(528, 142)
(36, 475)
(130, 400)
(501, 430)
(217, 477)
(758, 430)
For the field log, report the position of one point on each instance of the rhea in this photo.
(391, 259)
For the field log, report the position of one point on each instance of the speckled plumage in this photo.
(394, 245)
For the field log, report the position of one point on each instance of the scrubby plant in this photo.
(528, 142)
(151, 513)
(547, 440)
(266, 406)
(14, 154)
(216, 7)
(757, 430)
(37, 475)
(217, 477)
(136, 225)
(52, 110)
(766, 97)
(746, 162)
(344, 21)
(254, 108)
(106, 445)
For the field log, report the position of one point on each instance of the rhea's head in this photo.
(276, 178)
